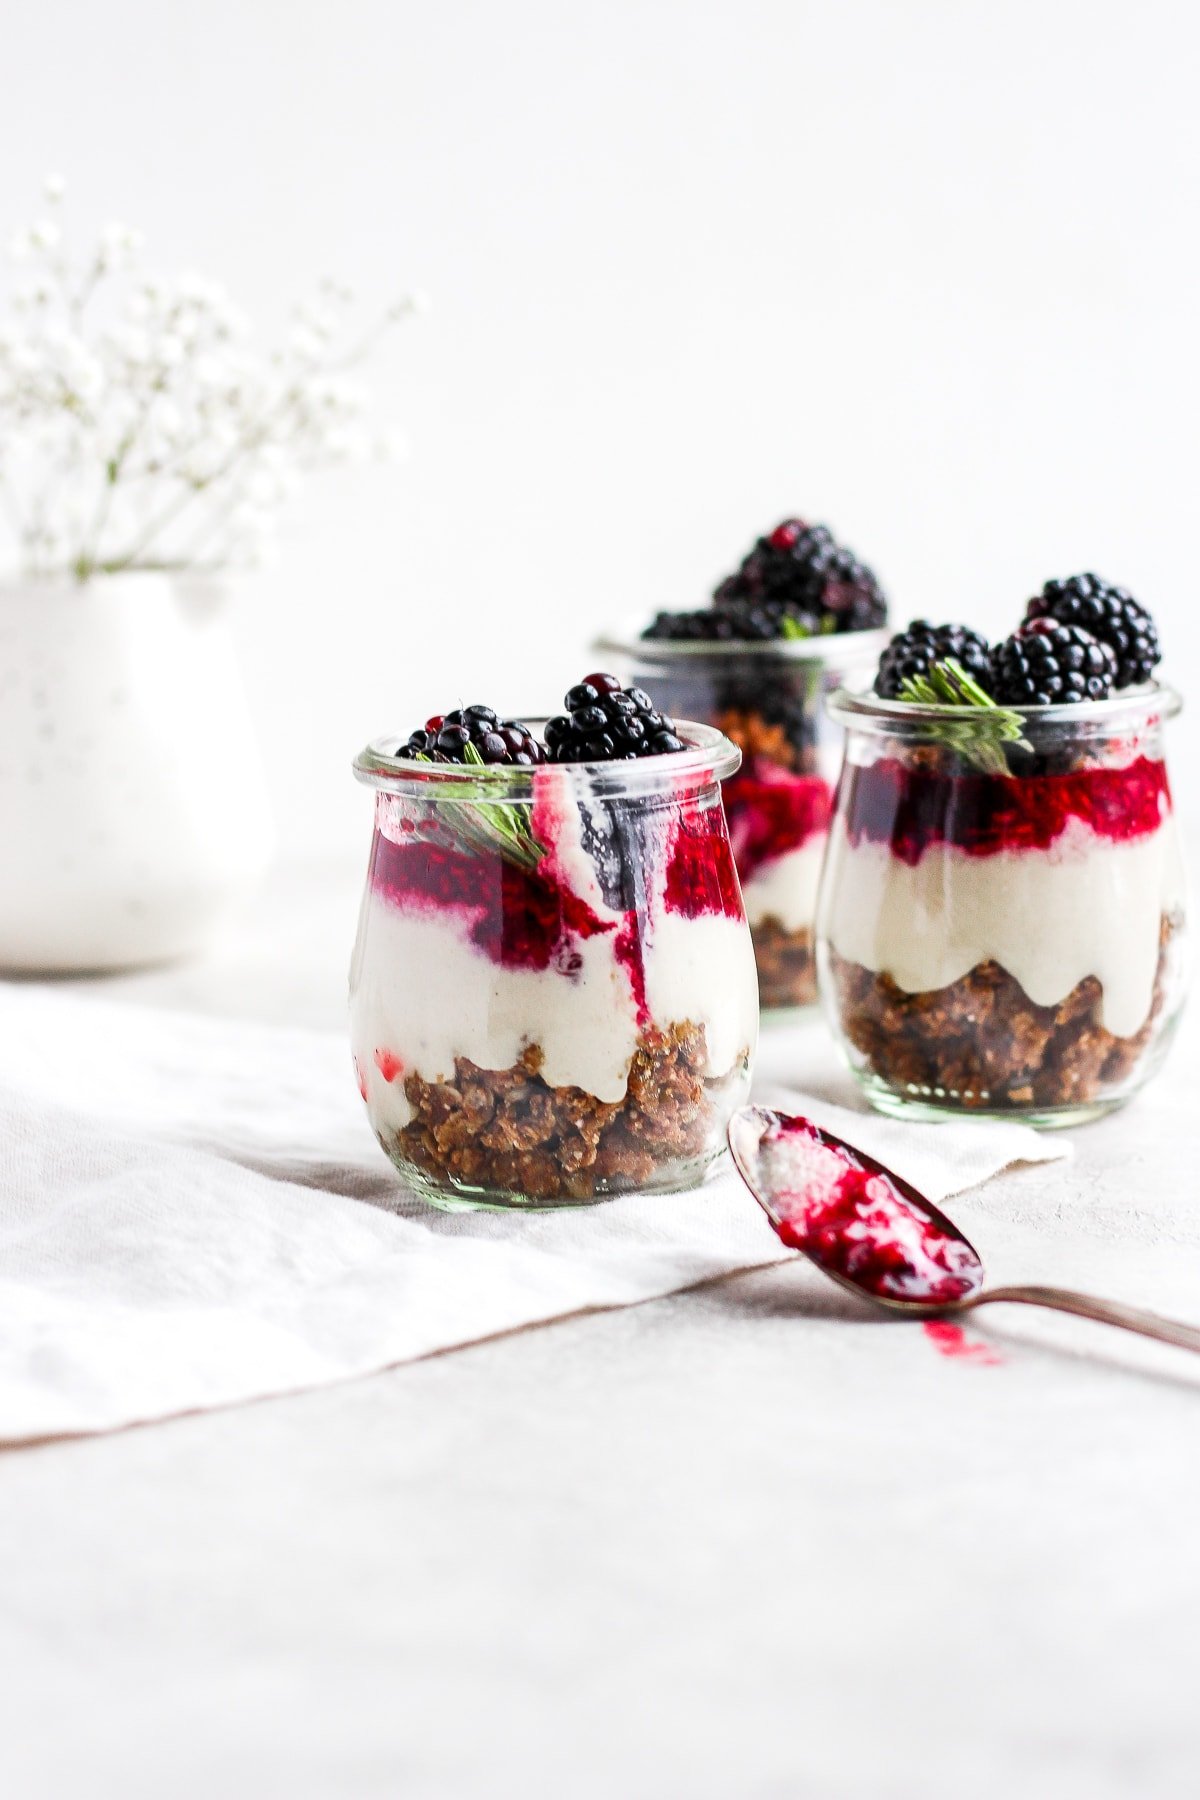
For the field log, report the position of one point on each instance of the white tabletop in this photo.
(746, 1541)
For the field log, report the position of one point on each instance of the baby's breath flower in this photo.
(417, 301)
(304, 343)
(118, 240)
(143, 430)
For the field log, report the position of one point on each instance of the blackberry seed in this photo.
(589, 718)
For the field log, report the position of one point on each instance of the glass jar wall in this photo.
(769, 698)
(553, 994)
(1001, 924)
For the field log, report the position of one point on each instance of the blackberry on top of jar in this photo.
(605, 722)
(1047, 664)
(801, 571)
(474, 734)
(1110, 614)
(914, 652)
(796, 582)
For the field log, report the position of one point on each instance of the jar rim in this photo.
(709, 755)
(864, 710)
(837, 650)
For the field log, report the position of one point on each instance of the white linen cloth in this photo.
(194, 1213)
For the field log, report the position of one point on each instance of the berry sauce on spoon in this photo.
(857, 1222)
(871, 1230)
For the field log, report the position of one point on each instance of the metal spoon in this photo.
(875, 1234)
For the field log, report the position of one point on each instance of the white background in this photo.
(928, 271)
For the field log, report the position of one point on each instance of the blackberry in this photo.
(800, 568)
(445, 737)
(1047, 664)
(1110, 614)
(914, 652)
(605, 722)
(736, 621)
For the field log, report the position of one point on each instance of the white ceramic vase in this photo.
(133, 804)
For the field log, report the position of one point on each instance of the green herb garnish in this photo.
(792, 627)
(498, 827)
(981, 734)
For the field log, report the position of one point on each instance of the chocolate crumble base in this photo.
(787, 966)
(982, 1043)
(758, 737)
(509, 1131)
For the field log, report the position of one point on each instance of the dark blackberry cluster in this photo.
(801, 570)
(1110, 614)
(736, 621)
(914, 652)
(605, 722)
(445, 737)
(1047, 664)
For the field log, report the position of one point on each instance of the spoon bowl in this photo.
(874, 1233)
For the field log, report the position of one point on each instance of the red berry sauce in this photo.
(949, 1339)
(911, 809)
(389, 1064)
(520, 919)
(772, 811)
(701, 877)
(532, 918)
(853, 1221)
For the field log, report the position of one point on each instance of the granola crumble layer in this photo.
(508, 1131)
(787, 966)
(981, 1043)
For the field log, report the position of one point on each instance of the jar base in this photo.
(777, 1017)
(454, 1197)
(929, 1110)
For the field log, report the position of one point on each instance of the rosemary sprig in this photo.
(495, 827)
(792, 627)
(985, 728)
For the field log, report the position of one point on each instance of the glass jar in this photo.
(553, 994)
(1001, 924)
(769, 698)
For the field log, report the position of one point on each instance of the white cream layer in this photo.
(785, 888)
(1084, 906)
(423, 993)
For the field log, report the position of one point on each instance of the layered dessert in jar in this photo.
(798, 618)
(553, 993)
(1002, 911)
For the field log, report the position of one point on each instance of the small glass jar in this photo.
(769, 698)
(1001, 923)
(553, 994)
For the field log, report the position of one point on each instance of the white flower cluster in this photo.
(139, 430)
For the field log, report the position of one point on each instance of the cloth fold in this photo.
(193, 1213)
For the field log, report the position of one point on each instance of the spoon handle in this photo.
(1107, 1312)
